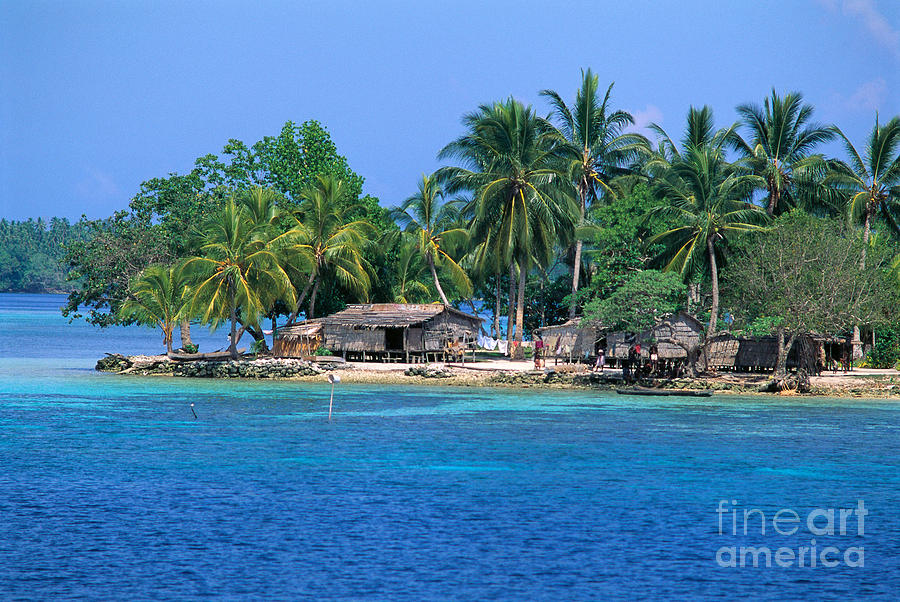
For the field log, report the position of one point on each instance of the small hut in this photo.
(298, 340)
(570, 339)
(398, 332)
(760, 354)
(682, 327)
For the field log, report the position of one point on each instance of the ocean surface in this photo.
(111, 489)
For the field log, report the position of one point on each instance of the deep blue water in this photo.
(110, 489)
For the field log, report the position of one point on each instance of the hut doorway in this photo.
(393, 339)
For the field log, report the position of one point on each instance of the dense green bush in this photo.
(886, 351)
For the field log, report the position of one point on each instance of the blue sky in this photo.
(98, 96)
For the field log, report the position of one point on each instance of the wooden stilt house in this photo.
(397, 332)
(570, 340)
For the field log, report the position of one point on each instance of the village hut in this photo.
(681, 327)
(760, 354)
(574, 339)
(298, 340)
(399, 332)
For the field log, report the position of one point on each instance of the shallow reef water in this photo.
(110, 488)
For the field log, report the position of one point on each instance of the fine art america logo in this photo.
(741, 522)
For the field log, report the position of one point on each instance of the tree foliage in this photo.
(643, 299)
(804, 272)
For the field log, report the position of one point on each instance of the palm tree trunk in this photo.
(867, 230)
(714, 276)
(437, 283)
(301, 298)
(576, 269)
(774, 197)
(497, 308)
(520, 314)
(184, 329)
(232, 347)
(312, 300)
(167, 335)
(511, 308)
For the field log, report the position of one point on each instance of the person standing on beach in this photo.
(538, 353)
(601, 360)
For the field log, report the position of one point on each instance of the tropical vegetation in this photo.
(536, 215)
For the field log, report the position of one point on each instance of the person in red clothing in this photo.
(538, 353)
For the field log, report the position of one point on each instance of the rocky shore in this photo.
(883, 384)
(241, 368)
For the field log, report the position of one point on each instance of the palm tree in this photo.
(433, 224)
(410, 269)
(523, 202)
(599, 150)
(871, 182)
(157, 298)
(238, 274)
(780, 147)
(707, 196)
(261, 205)
(323, 241)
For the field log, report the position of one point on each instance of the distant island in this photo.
(32, 254)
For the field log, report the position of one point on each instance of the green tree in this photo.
(618, 249)
(598, 149)
(523, 201)
(433, 223)
(162, 218)
(802, 275)
(239, 273)
(411, 272)
(324, 242)
(705, 195)
(782, 139)
(871, 181)
(157, 298)
(645, 298)
(112, 253)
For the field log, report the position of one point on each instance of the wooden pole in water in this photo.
(193, 412)
(333, 379)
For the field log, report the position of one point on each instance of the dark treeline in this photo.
(31, 254)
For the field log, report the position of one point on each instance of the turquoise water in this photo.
(111, 489)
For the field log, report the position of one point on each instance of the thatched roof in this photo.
(308, 328)
(387, 315)
(568, 326)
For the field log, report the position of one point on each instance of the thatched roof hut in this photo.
(298, 340)
(760, 354)
(573, 338)
(682, 327)
(396, 330)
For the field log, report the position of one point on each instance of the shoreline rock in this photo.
(258, 368)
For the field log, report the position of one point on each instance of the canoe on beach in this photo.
(664, 392)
